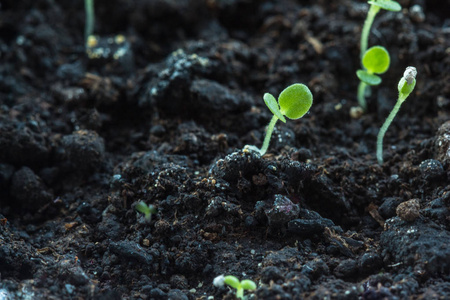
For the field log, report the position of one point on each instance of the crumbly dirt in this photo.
(160, 109)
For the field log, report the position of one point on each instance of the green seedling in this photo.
(405, 87)
(293, 102)
(89, 23)
(376, 60)
(148, 211)
(375, 7)
(234, 282)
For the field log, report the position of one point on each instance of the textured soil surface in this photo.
(159, 110)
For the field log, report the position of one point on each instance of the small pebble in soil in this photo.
(431, 170)
(408, 210)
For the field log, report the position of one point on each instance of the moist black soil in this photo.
(159, 108)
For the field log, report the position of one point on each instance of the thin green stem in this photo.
(384, 128)
(266, 142)
(362, 95)
(89, 26)
(240, 293)
(366, 28)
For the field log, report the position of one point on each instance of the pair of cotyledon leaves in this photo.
(294, 102)
(376, 60)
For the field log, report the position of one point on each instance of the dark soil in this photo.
(159, 111)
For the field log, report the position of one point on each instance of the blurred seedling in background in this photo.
(293, 102)
(405, 87)
(148, 211)
(376, 60)
(234, 282)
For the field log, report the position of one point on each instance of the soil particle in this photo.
(25, 145)
(72, 273)
(6, 172)
(432, 170)
(84, 149)
(346, 269)
(442, 144)
(388, 207)
(419, 245)
(310, 226)
(15, 255)
(271, 273)
(331, 287)
(132, 253)
(282, 211)
(408, 210)
(29, 190)
(157, 111)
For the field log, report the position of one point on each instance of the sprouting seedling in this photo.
(146, 209)
(89, 21)
(376, 60)
(293, 102)
(375, 7)
(234, 282)
(405, 87)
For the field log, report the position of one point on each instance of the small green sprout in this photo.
(293, 102)
(234, 282)
(376, 60)
(405, 87)
(89, 25)
(375, 7)
(145, 209)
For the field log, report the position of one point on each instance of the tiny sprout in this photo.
(371, 79)
(234, 282)
(376, 60)
(405, 87)
(293, 102)
(145, 209)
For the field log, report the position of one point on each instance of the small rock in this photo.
(408, 210)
